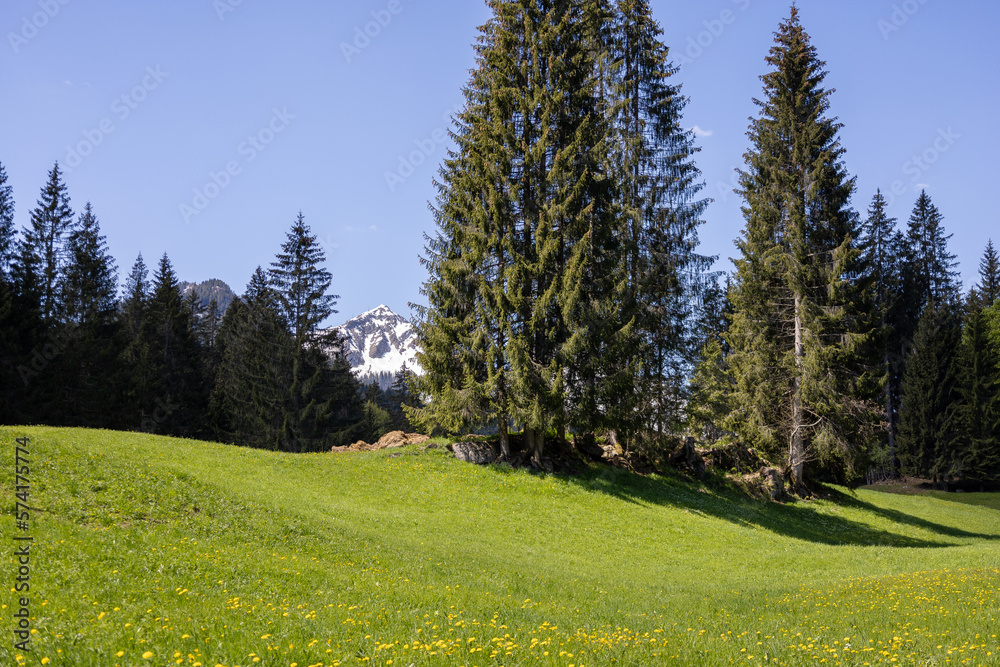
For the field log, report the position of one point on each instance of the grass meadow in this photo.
(157, 551)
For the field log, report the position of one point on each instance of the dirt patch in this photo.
(388, 441)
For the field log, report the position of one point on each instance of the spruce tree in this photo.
(881, 243)
(975, 425)
(254, 347)
(521, 285)
(932, 268)
(7, 231)
(90, 286)
(300, 282)
(9, 335)
(91, 277)
(988, 290)
(137, 379)
(321, 401)
(51, 224)
(179, 406)
(926, 434)
(800, 336)
(657, 190)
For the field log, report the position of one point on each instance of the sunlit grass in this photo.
(158, 551)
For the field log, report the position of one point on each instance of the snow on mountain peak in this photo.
(378, 343)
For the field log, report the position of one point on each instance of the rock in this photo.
(687, 457)
(734, 457)
(388, 441)
(480, 453)
(774, 481)
(391, 439)
(587, 445)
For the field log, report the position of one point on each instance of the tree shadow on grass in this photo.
(797, 520)
(848, 500)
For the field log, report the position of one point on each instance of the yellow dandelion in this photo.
(147, 655)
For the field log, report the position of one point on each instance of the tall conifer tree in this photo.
(46, 240)
(988, 290)
(9, 336)
(926, 433)
(320, 396)
(137, 368)
(254, 346)
(518, 284)
(932, 268)
(881, 243)
(7, 231)
(799, 334)
(657, 188)
(90, 286)
(181, 397)
(975, 425)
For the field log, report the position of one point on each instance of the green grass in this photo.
(192, 552)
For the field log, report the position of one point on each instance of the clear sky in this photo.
(200, 128)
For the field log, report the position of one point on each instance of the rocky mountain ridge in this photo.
(378, 343)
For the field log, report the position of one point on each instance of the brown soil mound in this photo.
(387, 441)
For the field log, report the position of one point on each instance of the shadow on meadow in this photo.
(798, 520)
(848, 500)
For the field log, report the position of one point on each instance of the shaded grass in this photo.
(222, 555)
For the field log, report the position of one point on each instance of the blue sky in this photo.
(200, 128)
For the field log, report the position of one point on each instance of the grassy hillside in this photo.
(193, 553)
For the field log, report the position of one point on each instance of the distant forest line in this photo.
(565, 294)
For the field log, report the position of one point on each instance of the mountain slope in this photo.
(379, 343)
(208, 290)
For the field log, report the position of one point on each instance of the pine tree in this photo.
(988, 290)
(521, 287)
(933, 274)
(178, 407)
(138, 371)
(710, 387)
(975, 416)
(375, 421)
(87, 367)
(9, 336)
(926, 435)
(46, 240)
(300, 282)
(91, 277)
(321, 395)
(254, 346)
(799, 334)
(657, 189)
(881, 244)
(400, 395)
(7, 232)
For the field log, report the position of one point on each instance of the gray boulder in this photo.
(480, 453)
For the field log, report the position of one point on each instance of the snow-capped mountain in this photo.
(378, 343)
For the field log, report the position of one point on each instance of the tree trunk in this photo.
(796, 454)
(504, 436)
(889, 416)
